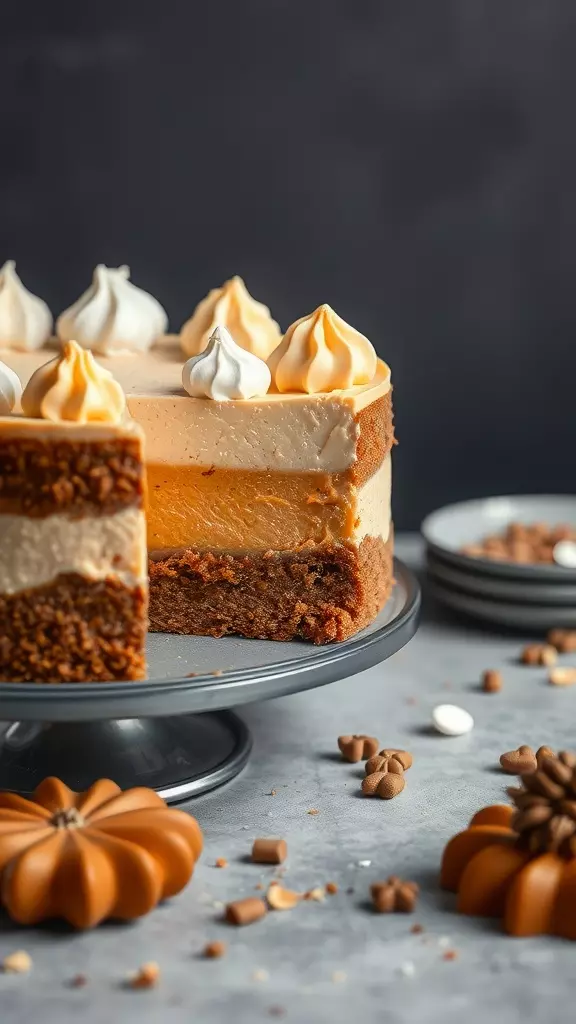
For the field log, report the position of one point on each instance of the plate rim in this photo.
(518, 570)
(331, 662)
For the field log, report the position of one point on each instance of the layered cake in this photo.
(73, 565)
(268, 459)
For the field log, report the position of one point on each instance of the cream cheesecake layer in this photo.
(34, 551)
(236, 510)
(280, 432)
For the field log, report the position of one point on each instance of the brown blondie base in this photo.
(321, 593)
(73, 630)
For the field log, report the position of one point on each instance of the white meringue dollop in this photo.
(113, 317)
(25, 320)
(224, 371)
(10, 389)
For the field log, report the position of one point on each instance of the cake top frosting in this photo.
(322, 353)
(73, 387)
(231, 306)
(224, 371)
(113, 317)
(25, 320)
(10, 389)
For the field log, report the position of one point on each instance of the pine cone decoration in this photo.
(546, 807)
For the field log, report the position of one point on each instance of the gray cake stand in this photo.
(173, 732)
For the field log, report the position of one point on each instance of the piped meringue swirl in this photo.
(10, 389)
(321, 352)
(224, 371)
(73, 387)
(232, 306)
(113, 317)
(25, 320)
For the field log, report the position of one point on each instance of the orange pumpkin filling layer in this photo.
(235, 510)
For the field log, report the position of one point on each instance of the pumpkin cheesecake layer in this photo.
(322, 593)
(251, 511)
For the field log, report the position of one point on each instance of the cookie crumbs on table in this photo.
(331, 888)
(562, 676)
(78, 981)
(221, 862)
(539, 654)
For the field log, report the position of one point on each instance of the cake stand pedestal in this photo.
(173, 732)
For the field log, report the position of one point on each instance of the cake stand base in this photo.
(179, 757)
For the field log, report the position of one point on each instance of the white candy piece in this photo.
(451, 720)
(224, 371)
(564, 554)
(10, 389)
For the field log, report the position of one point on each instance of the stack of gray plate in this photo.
(537, 597)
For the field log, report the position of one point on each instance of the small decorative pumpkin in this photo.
(520, 863)
(88, 856)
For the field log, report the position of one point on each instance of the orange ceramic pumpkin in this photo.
(88, 856)
(520, 863)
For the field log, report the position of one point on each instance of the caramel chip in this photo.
(491, 680)
(269, 851)
(318, 894)
(562, 676)
(358, 747)
(147, 976)
(246, 911)
(394, 896)
(539, 654)
(283, 899)
(331, 888)
(19, 962)
(564, 640)
(520, 761)
(214, 950)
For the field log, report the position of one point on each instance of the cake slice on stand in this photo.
(73, 572)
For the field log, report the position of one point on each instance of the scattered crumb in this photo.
(221, 862)
(217, 672)
(312, 811)
(19, 962)
(317, 894)
(260, 974)
(218, 905)
(272, 792)
(331, 888)
(214, 950)
(276, 1011)
(444, 941)
(147, 976)
(364, 863)
(282, 899)
(258, 885)
(407, 969)
(78, 981)
(417, 929)
(339, 976)
(450, 954)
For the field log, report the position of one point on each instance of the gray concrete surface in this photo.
(335, 961)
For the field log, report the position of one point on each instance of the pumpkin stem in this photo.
(67, 819)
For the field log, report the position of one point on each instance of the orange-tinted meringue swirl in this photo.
(73, 387)
(321, 352)
(231, 306)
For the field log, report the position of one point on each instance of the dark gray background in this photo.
(413, 163)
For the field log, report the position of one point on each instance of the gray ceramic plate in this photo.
(519, 616)
(448, 529)
(526, 591)
(228, 672)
